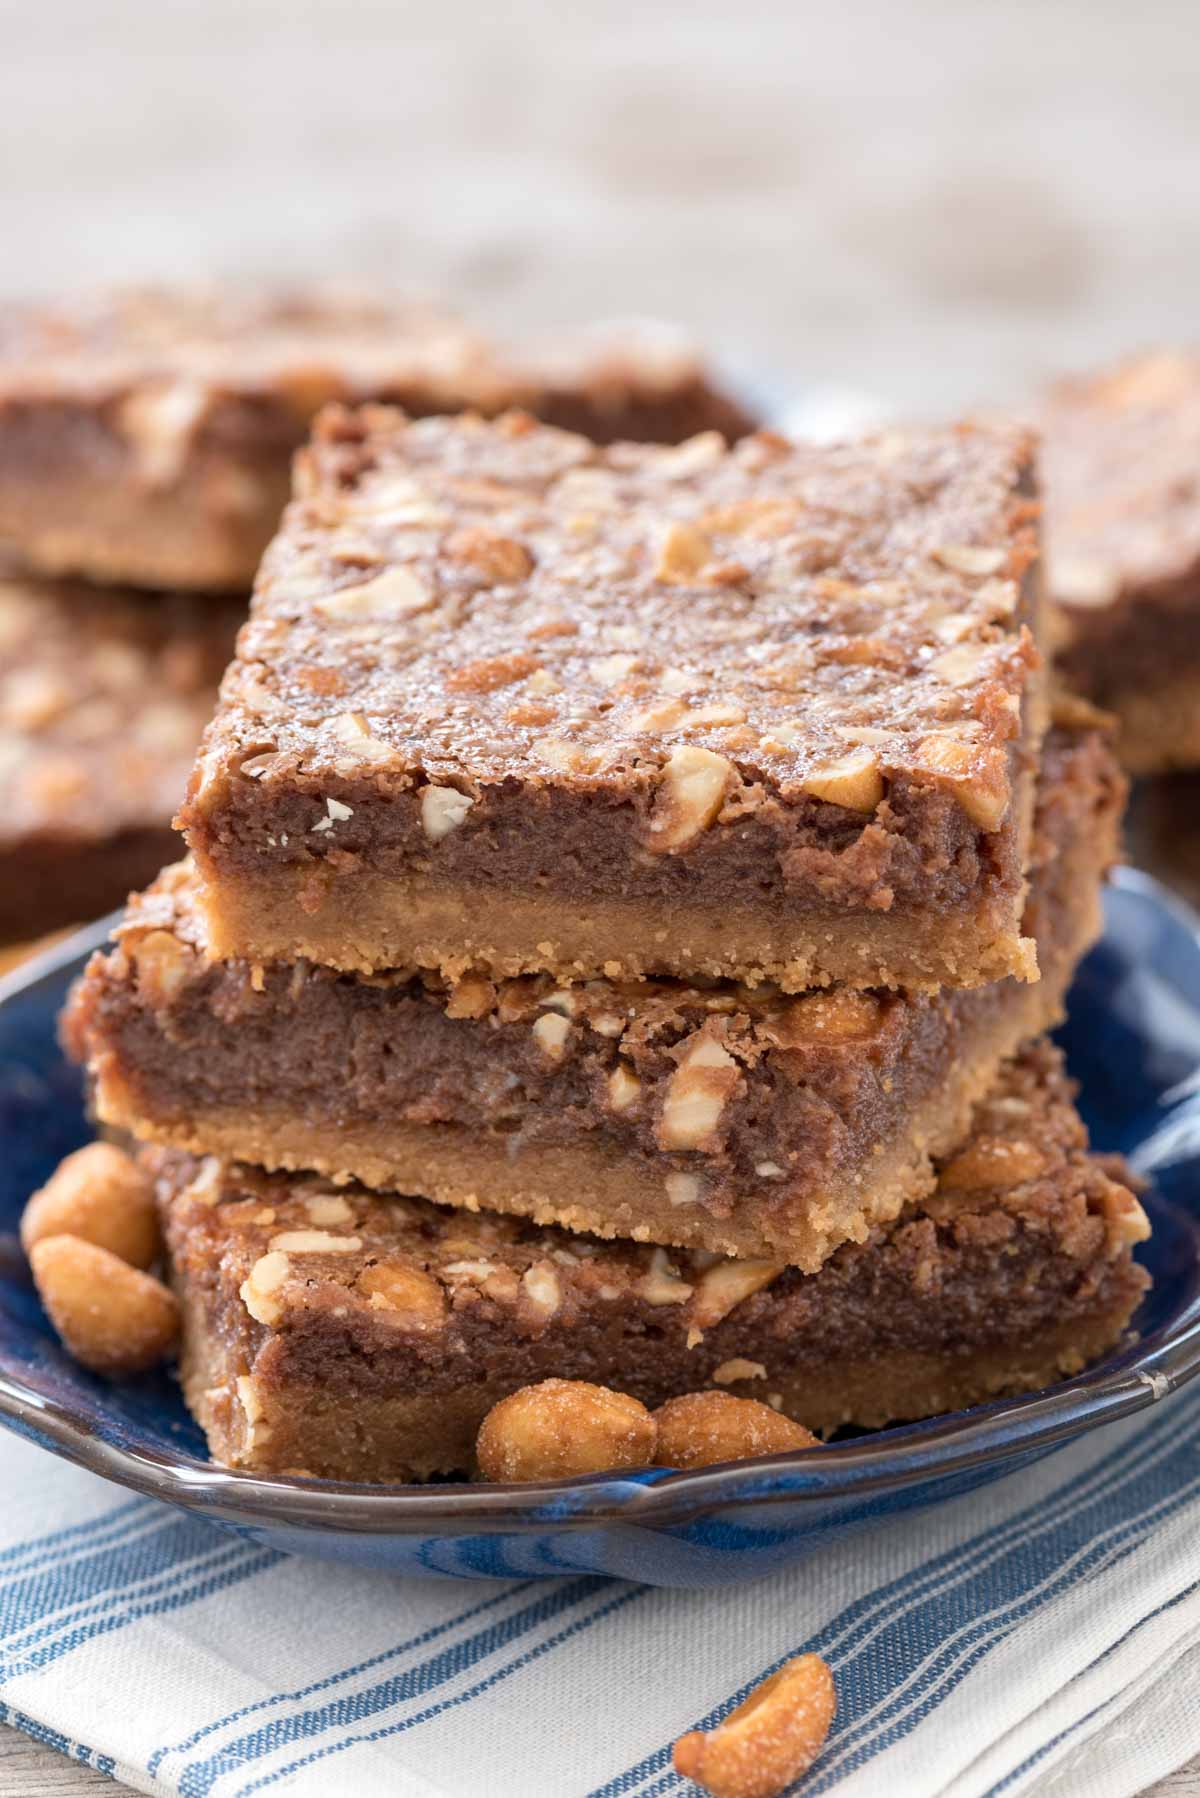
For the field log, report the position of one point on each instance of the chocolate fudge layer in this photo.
(735, 1120)
(354, 1337)
(513, 702)
(1121, 467)
(146, 436)
(103, 696)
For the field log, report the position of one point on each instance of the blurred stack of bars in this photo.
(629, 892)
(145, 448)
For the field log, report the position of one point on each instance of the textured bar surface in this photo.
(356, 1337)
(512, 701)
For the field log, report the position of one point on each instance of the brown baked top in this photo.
(1121, 475)
(312, 343)
(293, 1254)
(466, 603)
(103, 696)
(184, 349)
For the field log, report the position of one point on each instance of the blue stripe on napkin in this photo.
(897, 1654)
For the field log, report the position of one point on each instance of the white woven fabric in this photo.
(1041, 1634)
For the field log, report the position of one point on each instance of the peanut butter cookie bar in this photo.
(512, 702)
(350, 1336)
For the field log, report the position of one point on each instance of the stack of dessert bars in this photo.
(145, 444)
(628, 889)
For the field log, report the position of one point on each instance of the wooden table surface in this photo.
(929, 202)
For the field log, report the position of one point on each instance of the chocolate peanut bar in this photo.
(741, 1121)
(146, 436)
(103, 696)
(1122, 477)
(348, 1336)
(508, 701)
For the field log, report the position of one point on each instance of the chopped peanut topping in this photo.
(854, 780)
(393, 594)
(500, 559)
(550, 1033)
(415, 1298)
(260, 1288)
(978, 778)
(993, 1163)
(682, 553)
(724, 1286)
(623, 1088)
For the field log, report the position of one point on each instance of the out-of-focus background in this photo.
(931, 200)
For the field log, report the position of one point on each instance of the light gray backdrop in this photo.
(933, 199)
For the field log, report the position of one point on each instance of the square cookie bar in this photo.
(741, 1121)
(350, 1336)
(509, 701)
(103, 696)
(146, 436)
(1121, 468)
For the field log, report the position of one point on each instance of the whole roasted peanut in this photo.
(770, 1740)
(111, 1317)
(101, 1195)
(561, 1428)
(702, 1428)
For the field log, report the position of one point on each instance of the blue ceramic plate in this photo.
(1133, 1042)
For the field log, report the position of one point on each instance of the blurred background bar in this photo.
(934, 202)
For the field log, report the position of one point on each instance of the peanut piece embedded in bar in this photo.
(514, 703)
(371, 1343)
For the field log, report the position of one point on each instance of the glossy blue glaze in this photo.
(1134, 1043)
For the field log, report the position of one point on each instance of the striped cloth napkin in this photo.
(1042, 1634)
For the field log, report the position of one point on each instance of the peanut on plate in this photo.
(561, 1428)
(112, 1317)
(703, 1428)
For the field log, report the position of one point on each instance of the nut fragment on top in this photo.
(978, 778)
(853, 780)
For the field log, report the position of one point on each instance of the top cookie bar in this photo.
(508, 700)
(145, 437)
